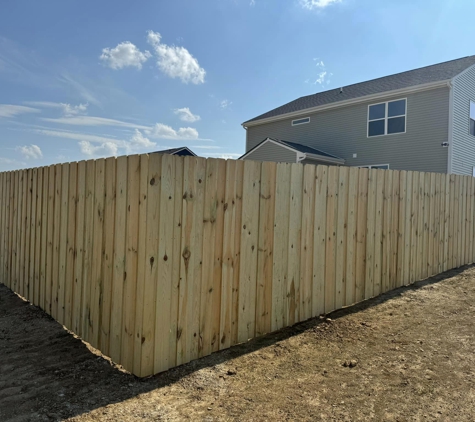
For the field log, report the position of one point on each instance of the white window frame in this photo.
(370, 166)
(386, 118)
(300, 123)
(470, 115)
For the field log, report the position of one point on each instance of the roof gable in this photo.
(304, 148)
(299, 148)
(182, 151)
(425, 75)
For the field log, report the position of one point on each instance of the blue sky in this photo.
(82, 79)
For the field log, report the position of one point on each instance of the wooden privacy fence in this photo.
(157, 260)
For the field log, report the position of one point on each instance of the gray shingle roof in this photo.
(295, 146)
(423, 75)
(176, 151)
(304, 148)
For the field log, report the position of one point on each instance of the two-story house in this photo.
(423, 120)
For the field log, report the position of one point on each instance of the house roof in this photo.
(424, 75)
(304, 148)
(177, 151)
(296, 147)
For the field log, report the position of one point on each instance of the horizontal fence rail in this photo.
(157, 260)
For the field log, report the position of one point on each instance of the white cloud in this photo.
(225, 103)
(186, 115)
(93, 121)
(102, 146)
(78, 136)
(107, 149)
(253, 3)
(67, 109)
(8, 110)
(161, 131)
(43, 104)
(176, 62)
(125, 54)
(323, 77)
(30, 151)
(139, 143)
(317, 4)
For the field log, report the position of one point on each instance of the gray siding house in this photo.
(422, 120)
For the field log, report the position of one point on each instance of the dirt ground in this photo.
(406, 356)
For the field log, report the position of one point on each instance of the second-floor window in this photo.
(472, 118)
(387, 118)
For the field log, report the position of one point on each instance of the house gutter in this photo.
(304, 112)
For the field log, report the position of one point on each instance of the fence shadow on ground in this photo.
(48, 374)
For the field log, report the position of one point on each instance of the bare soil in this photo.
(408, 355)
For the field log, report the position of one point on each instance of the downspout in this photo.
(451, 124)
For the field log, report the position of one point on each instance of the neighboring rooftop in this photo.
(434, 73)
(295, 146)
(183, 151)
(304, 148)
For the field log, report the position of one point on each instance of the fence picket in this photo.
(56, 240)
(32, 238)
(119, 263)
(330, 247)
(176, 256)
(342, 223)
(352, 245)
(228, 257)
(187, 327)
(63, 240)
(370, 232)
(44, 238)
(264, 250)
(131, 262)
(108, 255)
(249, 243)
(293, 246)
(142, 265)
(87, 281)
(281, 240)
(362, 219)
(20, 259)
(208, 295)
(27, 230)
(306, 246)
(97, 283)
(164, 263)
(405, 222)
(378, 235)
(71, 244)
(319, 243)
